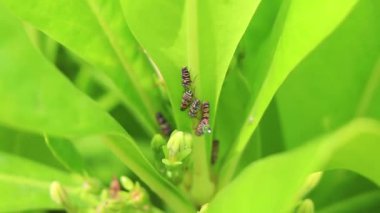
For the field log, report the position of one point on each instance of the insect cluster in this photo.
(194, 104)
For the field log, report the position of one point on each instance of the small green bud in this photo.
(138, 196)
(178, 147)
(126, 183)
(58, 194)
(306, 206)
(175, 175)
(157, 142)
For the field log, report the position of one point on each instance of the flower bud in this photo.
(178, 147)
(126, 183)
(138, 196)
(157, 142)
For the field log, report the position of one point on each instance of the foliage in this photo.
(293, 88)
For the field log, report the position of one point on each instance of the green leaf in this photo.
(366, 202)
(354, 147)
(25, 184)
(36, 97)
(337, 85)
(27, 145)
(232, 108)
(345, 190)
(228, 121)
(202, 35)
(96, 31)
(99, 160)
(65, 152)
(298, 30)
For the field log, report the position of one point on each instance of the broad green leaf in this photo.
(300, 28)
(266, 141)
(202, 35)
(233, 104)
(46, 45)
(66, 153)
(345, 190)
(366, 202)
(96, 31)
(228, 117)
(337, 84)
(24, 184)
(274, 183)
(36, 97)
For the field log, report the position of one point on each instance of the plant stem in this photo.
(202, 188)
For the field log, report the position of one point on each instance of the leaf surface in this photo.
(285, 174)
(25, 184)
(46, 102)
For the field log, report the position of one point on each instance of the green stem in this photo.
(202, 188)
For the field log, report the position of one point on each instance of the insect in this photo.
(203, 127)
(214, 152)
(164, 124)
(205, 110)
(114, 188)
(186, 99)
(194, 108)
(186, 80)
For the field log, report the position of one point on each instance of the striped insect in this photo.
(205, 110)
(194, 108)
(214, 151)
(186, 79)
(187, 97)
(164, 124)
(203, 127)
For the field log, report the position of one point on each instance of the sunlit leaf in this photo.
(352, 147)
(298, 30)
(94, 31)
(47, 102)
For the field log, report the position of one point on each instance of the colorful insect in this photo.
(186, 80)
(186, 99)
(214, 151)
(203, 127)
(164, 124)
(194, 108)
(205, 110)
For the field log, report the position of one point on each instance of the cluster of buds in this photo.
(172, 157)
(121, 196)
